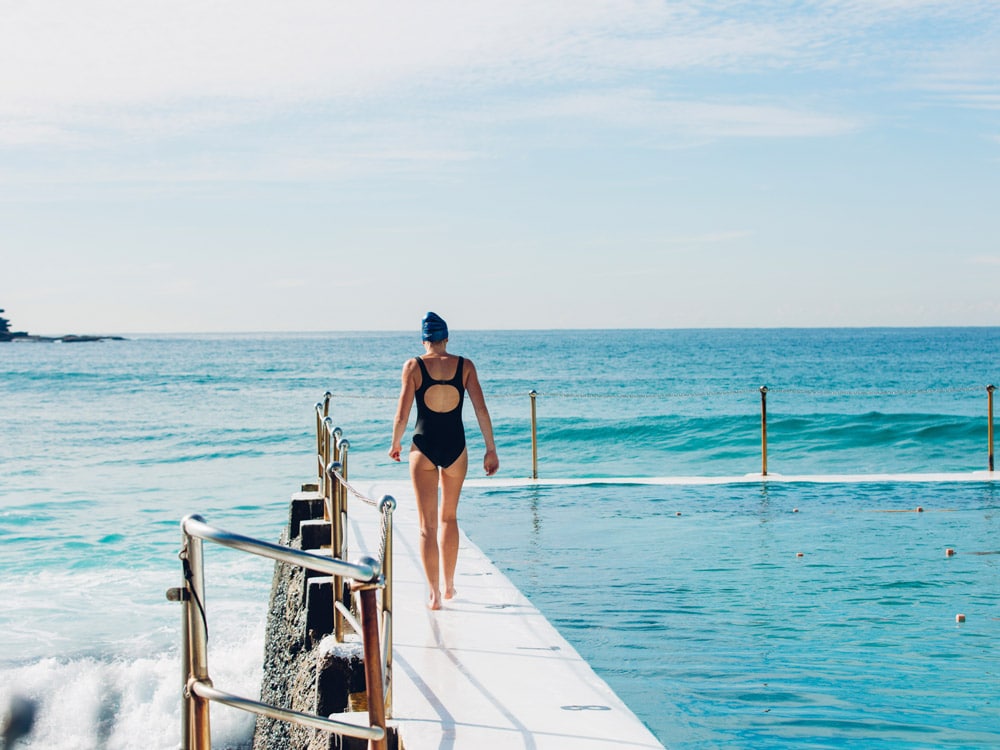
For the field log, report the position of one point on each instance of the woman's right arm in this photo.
(406, 393)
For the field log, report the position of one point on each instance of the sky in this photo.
(314, 166)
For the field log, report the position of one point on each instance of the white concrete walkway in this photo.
(487, 671)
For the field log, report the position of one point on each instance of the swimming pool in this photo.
(770, 614)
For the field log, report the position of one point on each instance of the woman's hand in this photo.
(491, 462)
(394, 451)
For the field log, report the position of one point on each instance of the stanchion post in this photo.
(320, 443)
(373, 662)
(386, 506)
(345, 446)
(534, 436)
(336, 546)
(989, 421)
(196, 726)
(763, 430)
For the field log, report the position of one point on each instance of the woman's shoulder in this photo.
(468, 370)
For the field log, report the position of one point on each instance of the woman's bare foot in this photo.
(449, 593)
(434, 600)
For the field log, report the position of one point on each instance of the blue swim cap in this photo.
(434, 328)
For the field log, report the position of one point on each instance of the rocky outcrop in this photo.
(7, 335)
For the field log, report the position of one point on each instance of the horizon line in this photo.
(539, 329)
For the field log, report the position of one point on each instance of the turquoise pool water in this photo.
(694, 603)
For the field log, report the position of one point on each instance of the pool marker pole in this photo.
(989, 421)
(534, 437)
(763, 430)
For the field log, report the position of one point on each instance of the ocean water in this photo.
(707, 623)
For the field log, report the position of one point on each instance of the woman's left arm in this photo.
(491, 463)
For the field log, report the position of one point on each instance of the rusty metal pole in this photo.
(534, 436)
(386, 506)
(345, 446)
(343, 592)
(330, 435)
(373, 661)
(338, 581)
(197, 722)
(763, 430)
(320, 441)
(989, 421)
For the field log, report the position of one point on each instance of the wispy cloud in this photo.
(710, 238)
(986, 260)
(316, 90)
(643, 110)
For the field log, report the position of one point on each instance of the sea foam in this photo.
(123, 703)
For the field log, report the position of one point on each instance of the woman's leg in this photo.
(452, 479)
(424, 474)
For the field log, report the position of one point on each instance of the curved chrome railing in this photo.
(366, 577)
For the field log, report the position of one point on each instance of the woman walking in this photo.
(438, 382)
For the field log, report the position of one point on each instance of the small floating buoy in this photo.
(678, 512)
(920, 509)
(959, 618)
(799, 554)
(949, 552)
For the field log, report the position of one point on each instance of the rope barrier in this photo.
(347, 485)
(385, 509)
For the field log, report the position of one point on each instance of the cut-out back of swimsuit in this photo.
(439, 435)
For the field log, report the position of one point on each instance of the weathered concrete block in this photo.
(304, 506)
(319, 609)
(340, 671)
(315, 533)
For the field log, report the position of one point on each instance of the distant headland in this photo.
(8, 335)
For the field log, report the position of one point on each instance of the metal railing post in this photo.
(989, 421)
(763, 430)
(183, 595)
(197, 729)
(386, 506)
(373, 661)
(534, 436)
(343, 448)
(322, 438)
(329, 454)
(335, 547)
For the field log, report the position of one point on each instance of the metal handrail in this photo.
(208, 692)
(198, 688)
(368, 572)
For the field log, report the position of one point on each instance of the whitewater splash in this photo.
(123, 703)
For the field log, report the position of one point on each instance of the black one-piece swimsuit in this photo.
(439, 435)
